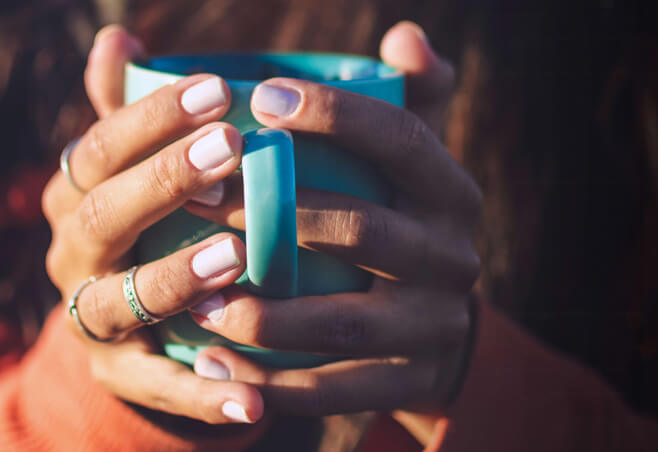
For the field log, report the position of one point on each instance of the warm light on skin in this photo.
(423, 427)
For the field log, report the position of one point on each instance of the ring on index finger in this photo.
(136, 306)
(66, 167)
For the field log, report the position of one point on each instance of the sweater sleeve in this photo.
(49, 402)
(520, 396)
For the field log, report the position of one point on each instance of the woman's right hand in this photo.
(135, 165)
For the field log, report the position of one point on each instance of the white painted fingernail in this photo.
(215, 259)
(209, 368)
(233, 410)
(203, 96)
(274, 100)
(211, 150)
(211, 197)
(212, 308)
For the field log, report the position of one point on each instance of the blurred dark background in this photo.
(555, 114)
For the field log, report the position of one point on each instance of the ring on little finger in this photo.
(73, 311)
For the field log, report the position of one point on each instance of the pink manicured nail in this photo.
(210, 368)
(212, 308)
(204, 96)
(211, 197)
(215, 259)
(274, 100)
(233, 410)
(211, 150)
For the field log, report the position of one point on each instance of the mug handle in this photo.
(268, 171)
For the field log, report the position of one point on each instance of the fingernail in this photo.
(211, 150)
(203, 96)
(212, 308)
(211, 197)
(233, 410)
(215, 259)
(105, 32)
(209, 368)
(274, 100)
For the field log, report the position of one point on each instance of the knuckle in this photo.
(411, 132)
(53, 264)
(96, 217)
(97, 313)
(355, 228)
(167, 285)
(156, 110)
(342, 330)
(331, 110)
(166, 176)
(49, 202)
(97, 151)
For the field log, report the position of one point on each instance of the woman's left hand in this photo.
(406, 335)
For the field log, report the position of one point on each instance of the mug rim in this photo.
(143, 65)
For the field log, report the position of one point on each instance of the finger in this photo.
(353, 324)
(378, 239)
(378, 384)
(113, 48)
(429, 78)
(111, 217)
(391, 137)
(159, 383)
(164, 287)
(139, 129)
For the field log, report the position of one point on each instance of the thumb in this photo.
(113, 47)
(429, 78)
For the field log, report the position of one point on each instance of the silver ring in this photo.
(64, 163)
(73, 310)
(136, 306)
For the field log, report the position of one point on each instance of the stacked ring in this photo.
(136, 306)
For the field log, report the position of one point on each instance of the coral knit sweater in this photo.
(518, 396)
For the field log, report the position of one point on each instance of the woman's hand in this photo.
(406, 335)
(131, 181)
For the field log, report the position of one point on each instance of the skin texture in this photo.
(405, 335)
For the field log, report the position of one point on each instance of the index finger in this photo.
(389, 136)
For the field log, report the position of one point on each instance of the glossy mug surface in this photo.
(274, 163)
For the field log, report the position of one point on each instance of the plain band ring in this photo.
(64, 164)
(73, 310)
(136, 306)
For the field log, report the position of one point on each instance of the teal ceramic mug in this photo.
(274, 163)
